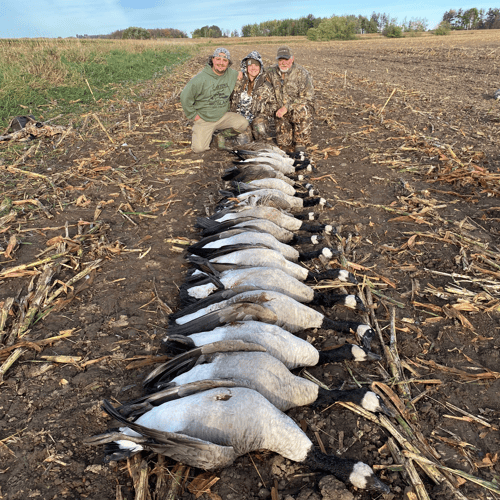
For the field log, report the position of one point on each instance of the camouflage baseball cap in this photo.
(284, 53)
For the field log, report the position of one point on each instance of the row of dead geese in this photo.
(225, 393)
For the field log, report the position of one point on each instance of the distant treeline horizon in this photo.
(460, 19)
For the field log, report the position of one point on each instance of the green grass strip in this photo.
(49, 80)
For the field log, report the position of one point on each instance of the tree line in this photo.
(141, 34)
(472, 19)
(335, 27)
(342, 27)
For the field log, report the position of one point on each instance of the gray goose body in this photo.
(284, 165)
(283, 220)
(261, 257)
(211, 227)
(266, 183)
(259, 305)
(291, 350)
(248, 238)
(290, 314)
(256, 278)
(211, 429)
(265, 278)
(276, 198)
(258, 371)
(238, 418)
(253, 172)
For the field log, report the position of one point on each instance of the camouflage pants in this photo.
(294, 127)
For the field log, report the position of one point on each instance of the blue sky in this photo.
(63, 18)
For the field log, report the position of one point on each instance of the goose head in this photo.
(349, 471)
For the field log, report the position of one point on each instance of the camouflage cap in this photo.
(221, 50)
(284, 53)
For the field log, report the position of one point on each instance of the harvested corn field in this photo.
(95, 219)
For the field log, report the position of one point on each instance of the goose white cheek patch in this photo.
(360, 474)
(350, 301)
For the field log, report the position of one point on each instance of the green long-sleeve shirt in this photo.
(207, 94)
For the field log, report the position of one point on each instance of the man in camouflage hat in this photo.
(205, 99)
(294, 92)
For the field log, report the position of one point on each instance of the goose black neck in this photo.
(335, 355)
(340, 326)
(327, 397)
(341, 468)
(302, 195)
(327, 299)
(310, 255)
(311, 202)
(329, 274)
(344, 469)
(305, 240)
(311, 228)
(301, 165)
(306, 216)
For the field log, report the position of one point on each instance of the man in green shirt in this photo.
(206, 100)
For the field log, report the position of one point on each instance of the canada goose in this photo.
(270, 198)
(291, 350)
(211, 429)
(286, 166)
(211, 227)
(258, 147)
(259, 305)
(216, 300)
(263, 278)
(253, 172)
(262, 257)
(265, 149)
(258, 371)
(259, 235)
(272, 183)
(243, 239)
(253, 257)
(286, 221)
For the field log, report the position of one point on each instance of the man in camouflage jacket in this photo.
(294, 91)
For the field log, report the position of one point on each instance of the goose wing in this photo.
(177, 365)
(285, 311)
(139, 406)
(291, 350)
(235, 312)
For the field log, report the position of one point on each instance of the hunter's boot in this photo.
(260, 129)
(224, 138)
(244, 137)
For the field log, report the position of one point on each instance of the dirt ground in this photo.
(405, 143)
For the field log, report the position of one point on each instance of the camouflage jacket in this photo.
(260, 101)
(293, 88)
